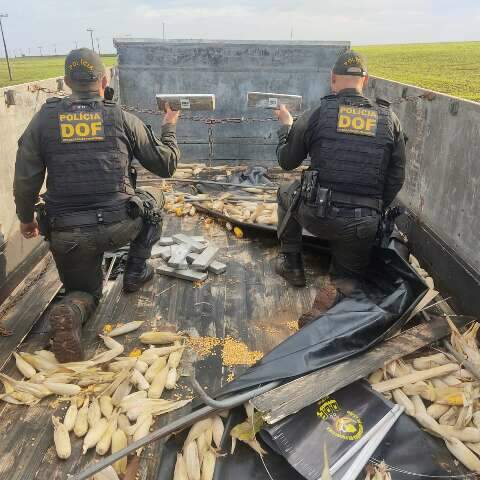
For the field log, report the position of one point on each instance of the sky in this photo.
(58, 26)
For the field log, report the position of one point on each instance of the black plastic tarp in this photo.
(355, 324)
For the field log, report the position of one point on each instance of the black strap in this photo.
(89, 218)
(356, 201)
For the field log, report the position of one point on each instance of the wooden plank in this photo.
(292, 397)
(26, 304)
(186, 101)
(274, 100)
(205, 259)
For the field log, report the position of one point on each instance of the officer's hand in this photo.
(29, 230)
(284, 116)
(171, 116)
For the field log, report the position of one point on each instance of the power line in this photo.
(5, 45)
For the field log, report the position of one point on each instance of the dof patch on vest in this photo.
(81, 127)
(357, 120)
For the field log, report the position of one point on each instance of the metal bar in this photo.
(211, 182)
(5, 46)
(173, 427)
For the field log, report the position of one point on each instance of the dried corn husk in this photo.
(197, 429)
(106, 406)
(140, 420)
(171, 382)
(143, 430)
(47, 354)
(122, 391)
(192, 460)
(435, 410)
(180, 472)
(202, 446)
(156, 367)
(103, 445)
(148, 356)
(158, 384)
(81, 422)
(449, 417)
(430, 424)
(400, 398)
(131, 400)
(463, 454)
(254, 445)
(38, 362)
(415, 388)
(71, 416)
(65, 389)
(430, 283)
(418, 404)
(218, 430)
(23, 366)
(141, 366)
(125, 328)
(94, 434)
(119, 442)
(120, 365)
(431, 361)
(107, 473)
(11, 385)
(94, 413)
(61, 439)
(467, 434)
(208, 465)
(159, 338)
(39, 378)
(376, 376)
(398, 369)
(123, 423)
(139, 380)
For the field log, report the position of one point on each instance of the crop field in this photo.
(452, 68)
(28, 69)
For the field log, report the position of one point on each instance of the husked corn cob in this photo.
(123, 423)
(119, 442)
(94, 413)
(111, 344)
(139, 380)
(163, 351)
(157, 366)
(197, 429)
(218, 429)
(71, 416)
(171, 382)
(143, 430)
(125, 328)
(192, 460)
(132, 400)
(148, 357)
(105, 441)
(81, 422)
(94, 435)
(158, 384)
(175, 357)
(208, 465)
(159, 338)
(141, 366)
(61, 439)
(180, 472)
(24, 367)
(122, 391)
(106, 406)
(140, 420)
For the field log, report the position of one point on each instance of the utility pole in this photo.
(91, 37)
(76, 44)
(5, 45)
(163, 28)
(291, 33)
(98, 45)
(55, 48)
(40, 48)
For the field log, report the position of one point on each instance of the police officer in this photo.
(85, 144)
(357, 152)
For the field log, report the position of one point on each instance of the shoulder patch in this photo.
(382, 102)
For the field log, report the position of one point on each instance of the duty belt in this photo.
(356, 201)
(88, 218)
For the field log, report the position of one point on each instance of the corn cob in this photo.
(141, 366)
(120, 365)
(376, 376)
(157, 366)
(140, 420)
(171, 382)
(61, 439)
(39, 378)
(143, 430)
(192, 461)
(105, 441)
(48, 355)
(209, 435)
(175, 357)
(94, 413)
(70, 416)
(435, 410)
(197, 429)
(119, 442)
(131, 400)
(425, 363)
(24, 367)
(158, 384)
(122, 391)
(218, 429)
(463, 454)
(65, 389)
(94, 435)
(467, 434)
(148, 357)
(415, 388)
(125, 328)
(139, 380)
(107, 473)
(81, 422)
(39, 363)
(403, 400)
(449, 417)
(180, 472)
(123, 423)
(208, 465)
(106, 405)
(202, 446)
(159, 338)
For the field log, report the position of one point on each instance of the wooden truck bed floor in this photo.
(249, 302)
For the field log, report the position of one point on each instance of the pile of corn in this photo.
(442, 396)
(113, 399)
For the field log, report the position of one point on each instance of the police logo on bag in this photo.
(357, 120)
(81, 126)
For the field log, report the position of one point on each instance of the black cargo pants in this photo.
(351, 232)
(78, 252)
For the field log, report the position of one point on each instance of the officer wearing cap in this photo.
(86, 144)
(357, 152)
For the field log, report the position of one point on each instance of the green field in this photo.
(28, 69)
(452, 68)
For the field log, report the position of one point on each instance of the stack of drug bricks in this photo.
(187, 257)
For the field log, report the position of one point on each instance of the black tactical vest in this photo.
(85, 150)
(352, 145)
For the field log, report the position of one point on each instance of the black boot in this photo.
(290, 267)
(137, 272)
(66, 320)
